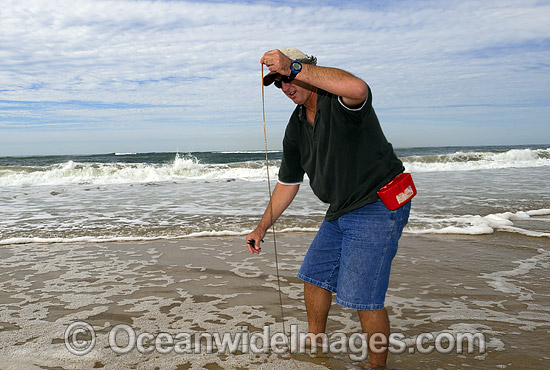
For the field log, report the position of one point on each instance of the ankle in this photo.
(318, 337)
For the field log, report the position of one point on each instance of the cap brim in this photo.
(270, 77)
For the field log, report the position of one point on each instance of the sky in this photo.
(95, 76)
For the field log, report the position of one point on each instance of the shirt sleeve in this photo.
(356, 114)
(291, 171)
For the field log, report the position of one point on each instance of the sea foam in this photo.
(190, 168)
(472, 161)
(480, 225)
(182, 168)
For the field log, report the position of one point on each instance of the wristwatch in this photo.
(295, 68)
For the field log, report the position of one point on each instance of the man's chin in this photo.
(296, 99)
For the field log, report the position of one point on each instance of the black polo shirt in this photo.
(345, 154)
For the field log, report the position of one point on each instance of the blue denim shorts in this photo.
(351, 256)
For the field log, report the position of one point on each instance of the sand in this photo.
(495, 285)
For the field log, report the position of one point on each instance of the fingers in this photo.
(253, 247)
(269, 57)
(276, 61)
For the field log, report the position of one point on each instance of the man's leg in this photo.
(374, 322)
(371, 231)
(320, 267)
(318, 302)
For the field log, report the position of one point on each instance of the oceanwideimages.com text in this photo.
(80, 339)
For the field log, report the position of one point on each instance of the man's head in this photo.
(292, 54)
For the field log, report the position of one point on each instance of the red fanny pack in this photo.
(398, 191)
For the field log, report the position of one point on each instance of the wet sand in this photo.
(495, 285)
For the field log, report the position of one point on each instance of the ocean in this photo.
(149, 196)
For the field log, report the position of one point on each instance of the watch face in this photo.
(296, 66)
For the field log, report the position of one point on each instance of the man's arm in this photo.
(353, 90)
(281, 198)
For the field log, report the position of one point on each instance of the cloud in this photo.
(126, 65)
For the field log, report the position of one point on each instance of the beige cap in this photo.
(293, 54)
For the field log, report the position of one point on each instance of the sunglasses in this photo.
(285, 79)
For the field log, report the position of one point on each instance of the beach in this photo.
(123, 260)
(439, 284)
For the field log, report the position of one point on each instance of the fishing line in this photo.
(283, 320)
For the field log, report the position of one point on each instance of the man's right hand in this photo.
(254, 239)
(282, 196)
(276, 61)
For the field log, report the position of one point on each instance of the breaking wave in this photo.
(188, 167)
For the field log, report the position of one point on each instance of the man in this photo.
(335, 138)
